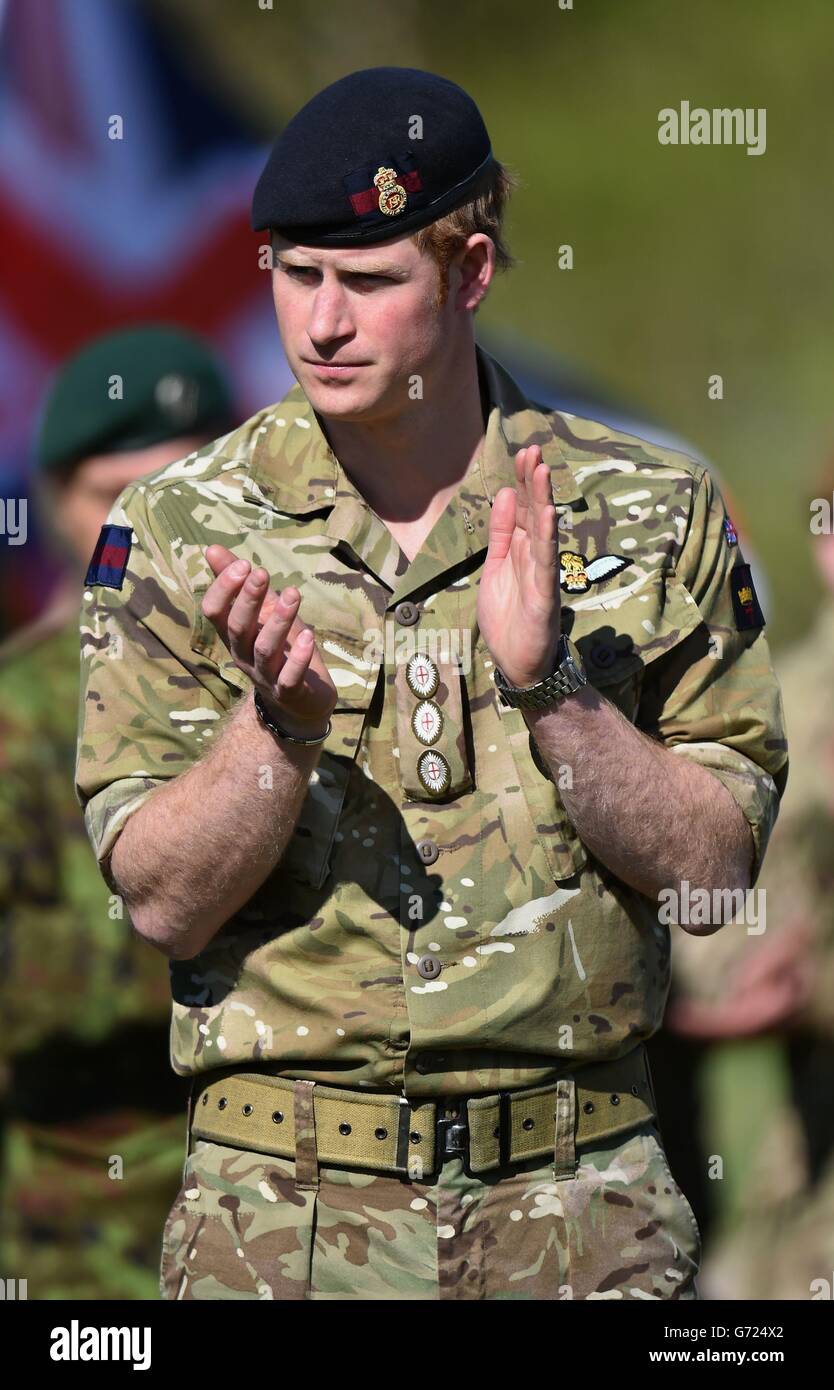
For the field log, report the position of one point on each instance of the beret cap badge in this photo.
(392, 195)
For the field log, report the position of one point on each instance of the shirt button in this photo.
(603, 654)
(429, 967)
(427, 851)
(406, 613)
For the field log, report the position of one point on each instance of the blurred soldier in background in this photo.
(93, 1127)
(781, 982)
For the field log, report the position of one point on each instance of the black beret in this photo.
(171, 385)
(348, 169)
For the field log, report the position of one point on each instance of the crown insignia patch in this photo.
(576, 575)
(746, 605)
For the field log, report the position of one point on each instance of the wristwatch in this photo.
(274, 728)
(568, 677)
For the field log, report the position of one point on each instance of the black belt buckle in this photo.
(452, 1135)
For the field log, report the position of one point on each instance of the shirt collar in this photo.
(295, 468)
(514, 422)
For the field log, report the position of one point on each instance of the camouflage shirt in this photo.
(435, 926)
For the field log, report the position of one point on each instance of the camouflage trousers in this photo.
(242, 1226)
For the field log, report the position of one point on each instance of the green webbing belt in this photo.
(357, 1129)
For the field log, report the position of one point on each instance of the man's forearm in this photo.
(654, 818)
(202, 844)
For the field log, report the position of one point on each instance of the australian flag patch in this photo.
(110, 557)
(745, 603)
(730, 532)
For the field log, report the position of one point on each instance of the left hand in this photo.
(519, 607)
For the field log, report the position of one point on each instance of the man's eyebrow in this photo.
(398, 271)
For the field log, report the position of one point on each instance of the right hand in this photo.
(267, 642)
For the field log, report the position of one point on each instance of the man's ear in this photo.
(482, 250)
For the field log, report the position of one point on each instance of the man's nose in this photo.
(329, 316)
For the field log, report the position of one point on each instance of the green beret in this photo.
(129, 390)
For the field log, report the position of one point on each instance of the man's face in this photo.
(82, 502)
(356, 325)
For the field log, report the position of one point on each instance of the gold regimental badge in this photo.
(392, 195)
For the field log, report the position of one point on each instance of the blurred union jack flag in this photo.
(97, 233)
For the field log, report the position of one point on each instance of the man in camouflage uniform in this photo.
(781, 983)
(412, 907)
(94, 1138)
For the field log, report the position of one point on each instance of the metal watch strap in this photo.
(274, 728)
(553, 689)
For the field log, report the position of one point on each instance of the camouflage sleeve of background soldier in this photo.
(30, 861)
(714, 697)
(23, 832)
(150, 697)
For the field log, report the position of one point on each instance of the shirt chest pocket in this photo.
(308, 851)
